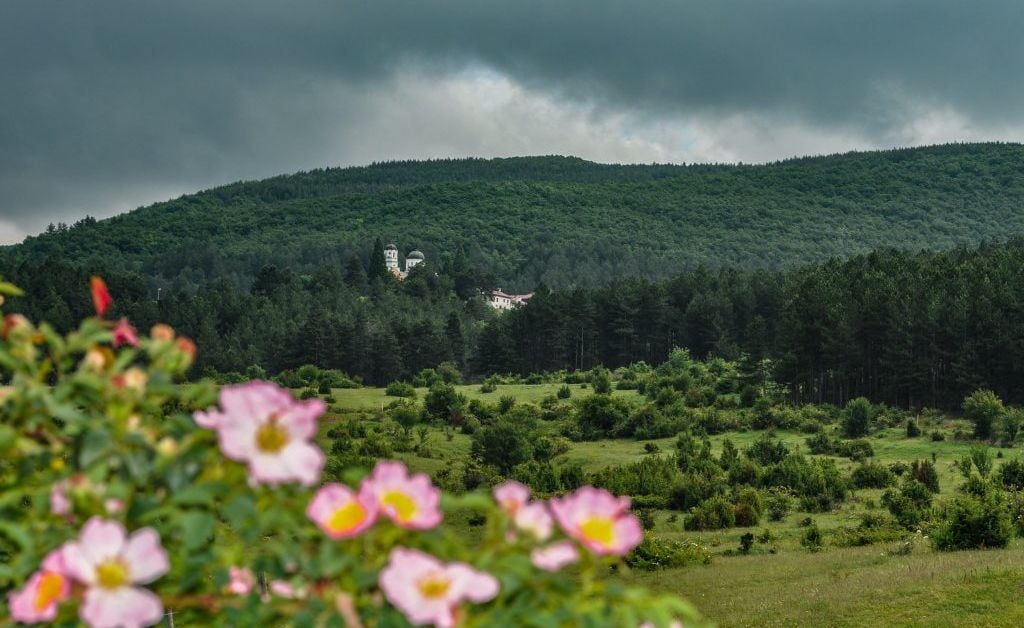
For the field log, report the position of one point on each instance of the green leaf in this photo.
(7, 437)
(197, 529)
(199, 494)
(240, 512)
(94, 446)
(16, 533)
(11, 289)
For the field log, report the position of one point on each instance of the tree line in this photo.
(907, 329)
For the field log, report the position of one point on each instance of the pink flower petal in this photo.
(242, 581)
(511, 496)
(620, 530)
(305, 461)
(145, 557)
(556, 556)
(475, 586)
(60, 504)
(411, 502)
(535, 519)
(301, 418)
(357, 511)
(38, 600)
(247, 412)
(126, 607)
(428, 591)
(101, 539)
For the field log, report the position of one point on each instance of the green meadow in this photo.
(780, 583)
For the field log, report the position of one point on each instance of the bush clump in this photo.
(400, 389)
(974, 522)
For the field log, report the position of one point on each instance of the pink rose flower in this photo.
(284, 589)
(125, 334)
(38, 600)
(241, 580)
(113, 505)
(555, 556)
(262, 425)
(342, 513)
(411, 501)
(428, 591)
(511, 496)
(110, 564)
(598, 520)
(60, 503)
(534, 519)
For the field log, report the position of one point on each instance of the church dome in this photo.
(391, 247)
(415, 255)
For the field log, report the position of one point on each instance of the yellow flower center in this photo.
(271, 437)
(599, 530)
(347, 517)
(434, 587)
(400, 504)
(112, 574)
(50, 586)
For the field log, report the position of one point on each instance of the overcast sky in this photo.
(107, 105)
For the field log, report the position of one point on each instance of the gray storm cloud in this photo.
(107, 105)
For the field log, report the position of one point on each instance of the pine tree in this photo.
(378, 266)
(456, 340)
(355, 274)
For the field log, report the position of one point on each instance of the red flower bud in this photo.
(125, 334)
(100, 295)
(187, 346)
(12, 322)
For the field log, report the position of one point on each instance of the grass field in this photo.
(860, 586)
(360, 399)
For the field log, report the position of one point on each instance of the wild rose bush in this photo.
(127, 494)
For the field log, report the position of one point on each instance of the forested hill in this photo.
(563, 221)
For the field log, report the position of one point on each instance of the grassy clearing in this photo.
(873, 585)
(854, 587)
(364, 399)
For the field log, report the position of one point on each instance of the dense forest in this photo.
(561, 221)
(910, 329)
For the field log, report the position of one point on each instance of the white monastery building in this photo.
(391, 261)
(503, 301)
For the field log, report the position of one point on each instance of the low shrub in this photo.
(970, 522)
(712, 514)
(812, 538)
(913, 431)
(872, 476)
(657, 553)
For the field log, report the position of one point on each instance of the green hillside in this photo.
(566, 221)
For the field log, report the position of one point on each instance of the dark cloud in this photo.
(105, 105)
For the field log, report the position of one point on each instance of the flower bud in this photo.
(100, 295)
(95, 359)
(125, 334)
(186, 346)
(167, 446)
(14, 323)
(134, 379)
(161, 333)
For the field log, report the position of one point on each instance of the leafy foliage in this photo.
(101, 434)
